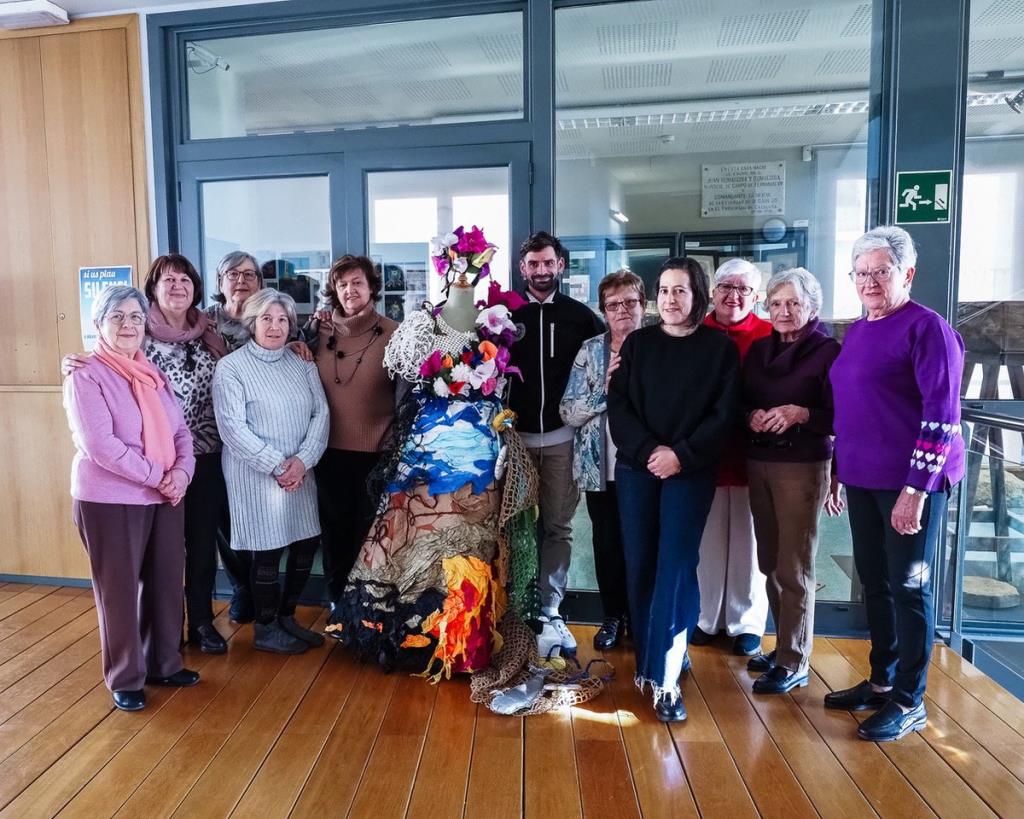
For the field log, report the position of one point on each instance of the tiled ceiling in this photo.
(763, 73)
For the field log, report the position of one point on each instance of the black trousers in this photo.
(896, 572)
(267, 595)
(609, 561)
(346, 511)
(207, 532)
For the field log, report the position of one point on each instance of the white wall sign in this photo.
(743, 189)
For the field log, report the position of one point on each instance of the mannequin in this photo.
(459, 310)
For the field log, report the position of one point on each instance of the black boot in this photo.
(669, 707)
(288, 624)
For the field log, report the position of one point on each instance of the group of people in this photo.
(706, 445)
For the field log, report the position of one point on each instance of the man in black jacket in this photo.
(555, 328)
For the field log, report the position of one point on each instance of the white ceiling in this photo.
(632, 79)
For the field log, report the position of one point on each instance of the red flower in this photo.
(471, 241)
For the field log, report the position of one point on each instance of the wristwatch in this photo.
(910, 490)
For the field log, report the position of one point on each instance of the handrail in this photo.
(992, 419)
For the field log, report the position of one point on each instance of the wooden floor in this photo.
(321, 735)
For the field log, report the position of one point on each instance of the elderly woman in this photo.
(899, 452)
(185, 345)
(238, 277)
(272, 416)
(671, 408)
(132, 466)
(361, 396)
(732, 597)
(621, 298)
(786, 391)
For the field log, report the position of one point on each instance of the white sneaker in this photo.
(548, 641)
(565, 638)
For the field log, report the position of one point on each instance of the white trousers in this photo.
(732, 588)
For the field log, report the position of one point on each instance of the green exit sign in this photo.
(923, 196)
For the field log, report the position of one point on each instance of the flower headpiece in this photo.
(462, 255)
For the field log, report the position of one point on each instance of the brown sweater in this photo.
(360, 395)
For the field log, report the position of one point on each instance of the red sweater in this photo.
(732, 470)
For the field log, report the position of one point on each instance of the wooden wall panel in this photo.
(28, 312)
(37, 536)
(89, 157)
(72, 193)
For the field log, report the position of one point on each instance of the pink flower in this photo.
(471, 241)
(441, 264)
(495, 296)
(432, 366)
(487, 388)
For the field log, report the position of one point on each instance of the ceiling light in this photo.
(1016, 102)
(619, 216)
(31, 14)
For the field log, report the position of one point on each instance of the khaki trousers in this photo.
(786, 501)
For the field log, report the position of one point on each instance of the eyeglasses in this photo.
(234, 275)
(625, 304)
(738, 289)
(883, 274)
(117, 319)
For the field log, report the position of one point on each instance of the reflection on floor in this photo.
(834, 566)
(320, 734)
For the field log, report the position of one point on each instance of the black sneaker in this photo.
(892, 723)
(862, 697)
(609, 634)
(701, 637)
(272, 637)
(306, 635)
(669, 707)
(762, 662)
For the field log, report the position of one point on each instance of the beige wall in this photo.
(72, 194)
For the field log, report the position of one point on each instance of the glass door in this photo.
(399, 201)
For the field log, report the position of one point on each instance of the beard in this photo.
(544, 284)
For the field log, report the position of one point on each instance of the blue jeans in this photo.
(896, 572)
(662, 523)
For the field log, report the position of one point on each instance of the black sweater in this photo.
(677, 392)
(553, 334)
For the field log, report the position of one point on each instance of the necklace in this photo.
(332, 343)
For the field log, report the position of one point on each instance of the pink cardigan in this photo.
(106, 425)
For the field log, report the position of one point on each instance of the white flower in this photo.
(496, 319)
(460, 264)
(441, 388)
(450, 239)
(437, 245)
(483, 371)
(462, 372)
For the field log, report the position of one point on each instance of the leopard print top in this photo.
(189, 367)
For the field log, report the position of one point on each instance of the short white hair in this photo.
(808, 289)
(739, 267)
(261, 301)
(894, 239)
(110, 298)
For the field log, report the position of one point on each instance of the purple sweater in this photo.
(896, 386)
(106, 424)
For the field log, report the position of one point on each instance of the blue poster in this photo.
(91, 281)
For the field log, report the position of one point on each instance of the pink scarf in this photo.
(199, 325)
(146, 382)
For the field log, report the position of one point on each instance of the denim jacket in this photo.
(584, 406)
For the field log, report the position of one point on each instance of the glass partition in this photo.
(283, 221)
(415, 72)
(991, 279)
(715, 130)
(405, 209)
